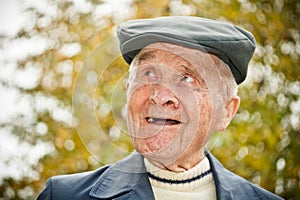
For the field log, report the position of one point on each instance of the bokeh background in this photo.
(44, 45)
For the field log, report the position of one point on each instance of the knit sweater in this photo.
(195, 183)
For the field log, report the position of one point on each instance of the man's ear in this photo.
(231, 108)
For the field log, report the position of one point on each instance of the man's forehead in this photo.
(155, 56)
(174, 58)
(158, 55)
(177, 52)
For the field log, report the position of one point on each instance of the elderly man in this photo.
(182, 87)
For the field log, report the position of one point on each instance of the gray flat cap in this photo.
(234, 45)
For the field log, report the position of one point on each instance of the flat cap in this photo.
(234, 45)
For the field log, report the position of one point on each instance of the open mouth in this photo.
(162, 121)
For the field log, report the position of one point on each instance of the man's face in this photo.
(169, 104)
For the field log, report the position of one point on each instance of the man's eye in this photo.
(149, 73)
(187, 79)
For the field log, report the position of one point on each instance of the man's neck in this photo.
(183, 163)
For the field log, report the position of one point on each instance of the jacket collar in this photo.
(127, 177)
(231, 186)
(222, 178)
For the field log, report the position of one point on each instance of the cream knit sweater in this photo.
(195, 183)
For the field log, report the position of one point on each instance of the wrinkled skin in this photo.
(173, 107)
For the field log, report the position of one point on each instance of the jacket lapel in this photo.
(126, 179)
(232, 186)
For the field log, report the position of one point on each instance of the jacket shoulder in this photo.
(264, 194)
(73, 186)
(248, 190)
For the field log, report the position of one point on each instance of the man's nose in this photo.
(164, 97)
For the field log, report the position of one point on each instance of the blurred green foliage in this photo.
(263, 142)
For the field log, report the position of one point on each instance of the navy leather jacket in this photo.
(127, 179)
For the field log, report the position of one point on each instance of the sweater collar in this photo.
(190, 180)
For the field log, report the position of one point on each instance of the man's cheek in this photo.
(137, 90)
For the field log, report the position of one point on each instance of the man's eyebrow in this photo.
(189, 69)
(146, 56)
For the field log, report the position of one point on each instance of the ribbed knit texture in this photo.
(200, 188)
